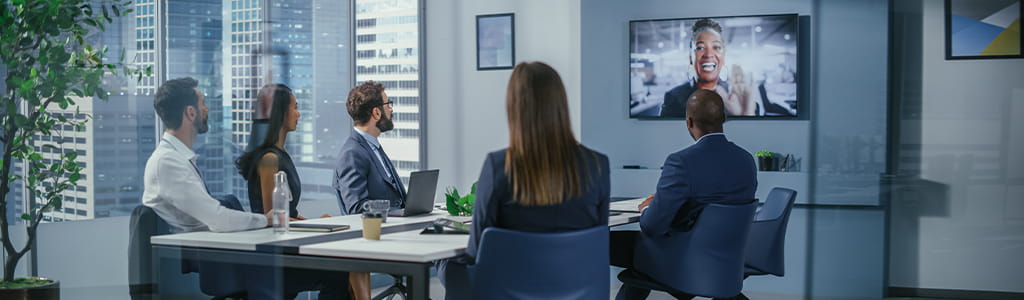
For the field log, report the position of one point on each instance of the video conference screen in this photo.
(751, 61)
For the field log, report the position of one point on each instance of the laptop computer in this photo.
(420, 197)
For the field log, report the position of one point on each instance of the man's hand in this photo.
(270, 218)
(645, 204)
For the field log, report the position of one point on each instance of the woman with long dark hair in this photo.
(545, 181)
(259, 165)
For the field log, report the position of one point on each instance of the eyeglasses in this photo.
(386, 103)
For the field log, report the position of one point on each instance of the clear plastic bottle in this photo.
(282, 196)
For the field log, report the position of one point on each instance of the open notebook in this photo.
(626, 205)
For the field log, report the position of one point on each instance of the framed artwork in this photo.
(983, 29)
(495, 41)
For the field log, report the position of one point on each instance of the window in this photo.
(382, 28)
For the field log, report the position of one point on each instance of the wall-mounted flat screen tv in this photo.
(751, 61)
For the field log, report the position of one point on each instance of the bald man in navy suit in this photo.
(712, 170)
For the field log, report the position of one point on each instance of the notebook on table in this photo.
(316, 227)
(626, 205)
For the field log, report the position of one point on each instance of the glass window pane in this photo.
(387, 51)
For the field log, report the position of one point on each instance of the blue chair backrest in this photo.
(778, 203)
(705, 261)
(766, 246)
(524, 265)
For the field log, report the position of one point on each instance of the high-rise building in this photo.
(387, 51)
(119, 134)
(108, 146)
(194, 49)
(301, 44)
(145, 44)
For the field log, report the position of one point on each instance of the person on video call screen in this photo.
(707, 57)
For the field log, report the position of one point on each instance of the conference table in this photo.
(402, 249)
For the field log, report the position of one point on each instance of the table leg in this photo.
(419, 283)
(155, 278)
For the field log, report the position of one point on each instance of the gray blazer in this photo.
(359, 176)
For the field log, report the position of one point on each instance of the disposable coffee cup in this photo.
(371, 225)
(378, 206)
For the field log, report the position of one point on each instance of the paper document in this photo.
(626, 205)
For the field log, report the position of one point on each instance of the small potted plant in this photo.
(460, 205)
(765, 160)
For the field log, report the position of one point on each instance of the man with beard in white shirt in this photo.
(175, 189)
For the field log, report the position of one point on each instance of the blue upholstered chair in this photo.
(523, 265)
(706, 261)
(765, 252)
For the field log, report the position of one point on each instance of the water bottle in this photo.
(282, 196)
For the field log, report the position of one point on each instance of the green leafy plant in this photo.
(764, 153)
(49, 67)
(460, 206)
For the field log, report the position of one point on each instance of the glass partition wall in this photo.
(319, 48)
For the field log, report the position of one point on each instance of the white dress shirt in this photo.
(175, 190)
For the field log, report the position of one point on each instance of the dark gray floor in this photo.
(436, 293)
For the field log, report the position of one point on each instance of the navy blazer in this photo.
(495, 206)
(714, 170)
(359, 176)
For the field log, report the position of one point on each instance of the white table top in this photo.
(408, 246)
(400, 246)
(247, 240)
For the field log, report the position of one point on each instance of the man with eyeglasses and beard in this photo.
(364, 171)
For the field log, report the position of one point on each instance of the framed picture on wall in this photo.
(983, 29)
(495, 41)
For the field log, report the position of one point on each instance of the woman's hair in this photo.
(542, 156)
(282, 98)
(703, 25)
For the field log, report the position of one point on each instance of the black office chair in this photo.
(142, 286)
(396, 289)
(144, 224)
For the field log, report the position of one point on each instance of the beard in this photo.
(202, 125)
(385, 124)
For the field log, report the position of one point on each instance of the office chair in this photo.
(145, 223)
(398, 289)
(524, 265)
(765, 253)
(706, 261)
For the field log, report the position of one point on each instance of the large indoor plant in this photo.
(48, 66)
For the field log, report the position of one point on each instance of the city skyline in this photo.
(221, 44)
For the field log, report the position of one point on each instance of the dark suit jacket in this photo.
(495, 206)
(714, 170)
(359, 176)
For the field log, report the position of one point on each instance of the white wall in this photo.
(969, 234)
(465, 107)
